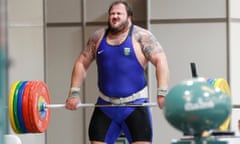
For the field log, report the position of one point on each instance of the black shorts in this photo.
(137, 126)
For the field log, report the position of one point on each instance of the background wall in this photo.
(234, 44)
(46, 37)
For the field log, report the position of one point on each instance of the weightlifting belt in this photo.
(115, 100)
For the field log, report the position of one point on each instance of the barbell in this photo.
(29, 106)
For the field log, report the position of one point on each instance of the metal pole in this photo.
(88, 105)
(3, 69)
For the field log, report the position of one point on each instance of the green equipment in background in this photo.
(194, 106)
(3, 69)
(198, 108)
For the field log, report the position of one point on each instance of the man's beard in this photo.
(121, 27)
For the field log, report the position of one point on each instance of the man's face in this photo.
(118, 18)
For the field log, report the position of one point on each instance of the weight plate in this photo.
(25, 107)
(19, 107)
(31, 106)
(39, 94)
(213, 81)
(15, 111)
(209, 80)
(10, 105)
(223, 85)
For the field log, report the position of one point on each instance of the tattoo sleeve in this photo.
(148, 42)
(90, 49)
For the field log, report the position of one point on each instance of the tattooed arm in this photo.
(84, 60)
(156, 55)
(80, 69)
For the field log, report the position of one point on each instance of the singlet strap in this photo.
(130, 31)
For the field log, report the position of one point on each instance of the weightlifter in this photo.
(122, 51)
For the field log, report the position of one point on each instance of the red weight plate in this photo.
(39, 95)
(31, 106)
(25, 107)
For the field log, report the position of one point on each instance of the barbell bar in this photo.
(81, 105)
(29, 105)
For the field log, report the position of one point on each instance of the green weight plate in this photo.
(15, 111)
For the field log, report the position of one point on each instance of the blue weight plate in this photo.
(209, 80)
(19, 109)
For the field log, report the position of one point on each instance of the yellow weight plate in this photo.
(225, 125)
(223, 85)
(10, 106)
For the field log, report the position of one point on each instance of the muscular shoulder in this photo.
(92, 43)
(139, 31)
(96, 36)
(147, 41)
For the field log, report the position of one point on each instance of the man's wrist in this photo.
(74, 92)
(162, 92)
